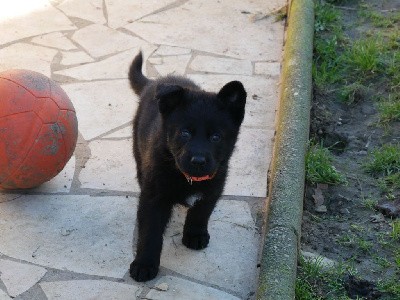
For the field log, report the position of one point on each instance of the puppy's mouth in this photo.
(196, 173)
(190, 179)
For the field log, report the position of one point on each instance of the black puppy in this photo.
(183, 139)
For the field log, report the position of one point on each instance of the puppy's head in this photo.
(201, 127)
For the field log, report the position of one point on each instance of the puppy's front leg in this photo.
(195, 232)
(152, 216)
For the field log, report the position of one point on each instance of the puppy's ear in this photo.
(233, 97)
(169, 96)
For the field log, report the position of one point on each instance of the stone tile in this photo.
(55, 40)
(116, 66)
(111, 166)
(181, 289)
(212, 64)
(6, 196)
(262, 96)
(79, 233)
(4, 296)
(99, 108)
(122, 12)
(26, 56)
(272, 69)
(15, 25)
(111, 41)
(164, 50)
(155, 60)
(249, 164)
(89, 289)
(91, 10)
(229, 261)
(18, 277)
(73, 58)
(62, 182)
(122, 133)
(244, 39)
(175, 65)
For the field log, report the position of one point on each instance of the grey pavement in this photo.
(74, 236)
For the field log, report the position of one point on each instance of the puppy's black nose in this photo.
(198, 160)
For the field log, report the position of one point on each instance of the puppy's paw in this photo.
(141, 272)
(196, 241)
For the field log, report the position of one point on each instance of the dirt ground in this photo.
(351, 231)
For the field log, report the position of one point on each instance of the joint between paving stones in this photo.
(284, 205)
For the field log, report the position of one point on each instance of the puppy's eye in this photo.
(215, 138)
(185, 134)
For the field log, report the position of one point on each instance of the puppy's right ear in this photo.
(169, 96)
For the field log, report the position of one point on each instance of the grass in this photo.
(350, 70)
(370, 203)
(395, 234)
(327, 17)
(319, 168)
(389, 183)
(346, 240)
(328, 33)
(397, 259)
(363, 245)
(384, 160)
(309, 271)
(354, 241)
(311, 278)
(377, 19)
(390, 286)
(392, 65)
(353, 92)
(363, 57)
(382, 261)
(389, 111)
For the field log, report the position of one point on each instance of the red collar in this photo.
(190, 179)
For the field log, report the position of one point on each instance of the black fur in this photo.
(179, 129)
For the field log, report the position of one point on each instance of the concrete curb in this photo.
(284, 204)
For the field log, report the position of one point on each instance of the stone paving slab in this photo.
(54, 40)
(18, 277)
(37, 59)
(89, 289)
(80, 233)
(4, 296)
(100, 108)
(21, 19)
(74, 58)
(110, 159)
(74, 236)
(234, 269)
(227, 36)
(177, 288)
(90, 10)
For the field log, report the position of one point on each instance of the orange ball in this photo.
(38, 129)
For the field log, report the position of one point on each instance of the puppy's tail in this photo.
(137, 79)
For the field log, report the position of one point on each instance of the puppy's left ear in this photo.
(233, 96)
(169, 97)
